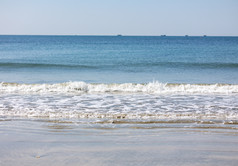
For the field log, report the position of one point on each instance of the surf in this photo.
(146, 88)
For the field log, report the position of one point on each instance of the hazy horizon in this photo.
(162, 35)
(129, 18)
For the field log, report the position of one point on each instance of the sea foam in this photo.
(150, 88)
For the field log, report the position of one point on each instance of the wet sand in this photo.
(53, 142)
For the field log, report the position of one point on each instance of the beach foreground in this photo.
(66, 142)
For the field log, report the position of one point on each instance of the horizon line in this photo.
(119, 35)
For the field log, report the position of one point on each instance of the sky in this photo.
(126, 17)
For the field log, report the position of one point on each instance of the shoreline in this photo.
(42, 142)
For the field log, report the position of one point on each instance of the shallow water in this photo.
(138, 107)
(67, 142)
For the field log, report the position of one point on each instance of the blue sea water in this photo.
(118, 59)
(98, 100)
(120, 77)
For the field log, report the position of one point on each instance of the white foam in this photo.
(150, 88)
(118, 106)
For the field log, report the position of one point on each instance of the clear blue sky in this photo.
(127, 17)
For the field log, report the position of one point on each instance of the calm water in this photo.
(112, 59)
(120, 77)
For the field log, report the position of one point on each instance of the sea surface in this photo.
(130, 100)
(126, 78)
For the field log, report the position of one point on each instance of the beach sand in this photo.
(53, 142)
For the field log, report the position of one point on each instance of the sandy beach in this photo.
(63, 142)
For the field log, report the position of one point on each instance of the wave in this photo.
(43, 65)
(148, 88)
(212, 65)
(124, 64)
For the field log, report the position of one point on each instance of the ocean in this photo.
(119, 85)
(118, 59)
(119, 77)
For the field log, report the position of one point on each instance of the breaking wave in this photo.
(149, 88)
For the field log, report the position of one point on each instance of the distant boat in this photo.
(204, 35)
(163, 35)
(186, 35)
(119, 35)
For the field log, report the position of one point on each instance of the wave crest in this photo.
(150, 88)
